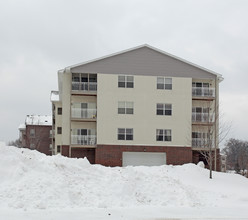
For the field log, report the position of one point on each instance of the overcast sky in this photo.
(39, 37)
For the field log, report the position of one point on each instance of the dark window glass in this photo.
(59, 111)
(59, 130)
(121, 110)
(160, 112)
(129, 111)
(168, 86)
(121, 84)
(160, 86)
(129, 84)
(159, 137)
(121, 137)
(129, 137)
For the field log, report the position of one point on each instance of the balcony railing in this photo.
(202, 143)
(203, 92)
(84, 86)
(203, 117)
(83, 113)
(83, 139)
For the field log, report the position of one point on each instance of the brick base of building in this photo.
(197, 157)
(65, 149)
(111, 155)
(89, 153)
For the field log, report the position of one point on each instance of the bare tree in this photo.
(210, 132)
(15, 143)
(237, 155)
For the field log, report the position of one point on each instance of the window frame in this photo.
(162, 83)
(125, 134)
(164, 135)
(164, 109)
(125, 107)
(125, 81)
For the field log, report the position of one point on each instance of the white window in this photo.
(164, 109)
(125, 107)
(125, 81)
(163, 135)
(125, 134)
(164, 83)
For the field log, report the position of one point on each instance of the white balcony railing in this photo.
(84, 86)
(83, 113)
(203, 117)
(83, 139)
(202, 143)
(203, 92)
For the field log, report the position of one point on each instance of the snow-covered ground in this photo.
(35, 186)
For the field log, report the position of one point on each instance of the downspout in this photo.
(215, 124)
(68, 71)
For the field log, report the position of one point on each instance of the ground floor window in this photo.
(163, 135)
(125, 134)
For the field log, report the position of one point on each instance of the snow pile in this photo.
(31, 180)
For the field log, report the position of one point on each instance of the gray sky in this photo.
(39, 37)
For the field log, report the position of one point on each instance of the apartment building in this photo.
(141, 106)
(36, 133)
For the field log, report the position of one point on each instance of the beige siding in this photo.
(83, 99)
(58, 123)
(66, 105)
(83, 125)
(144, 121)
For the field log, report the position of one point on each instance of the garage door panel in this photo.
(143, 159)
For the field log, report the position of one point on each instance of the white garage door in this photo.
(143, 159)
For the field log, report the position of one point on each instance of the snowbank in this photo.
(31, 180)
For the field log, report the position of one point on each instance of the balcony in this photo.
(84, 87)
(79, 113)
(202, 143)
(87, 140)
(203, 92)
(203, 117)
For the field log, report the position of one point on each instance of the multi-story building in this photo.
(139, 106)
(36, 133)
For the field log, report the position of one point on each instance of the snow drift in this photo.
(31, 180)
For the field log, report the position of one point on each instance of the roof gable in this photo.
(144, 60)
